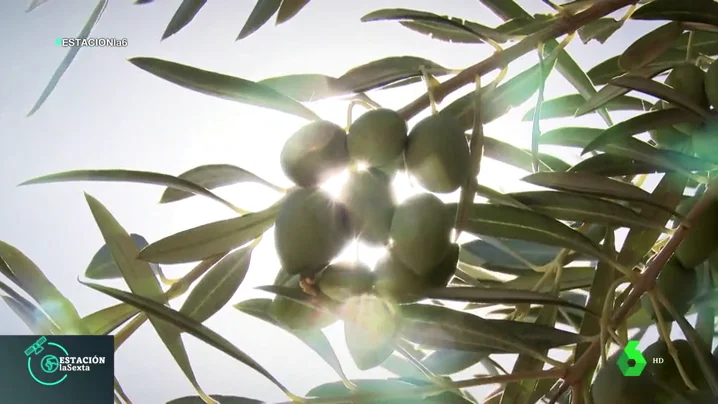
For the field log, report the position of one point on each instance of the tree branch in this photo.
(565, 25)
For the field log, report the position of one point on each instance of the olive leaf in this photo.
(289, 9)
(486, 254)
(221, 399)
(511, 222)
(568, 106)
(71, 53)
(593, 185)
(104, 321)
(133, 176)
(705, 12)
(444, 28)
(571, 278)
(212, 176)
(314, 339)
(209, 239)
(496, 295)
(370, 327)
(450, 361)
(520, 158)
(661, 91)
(583, 208)
(218, 285)
(263, 11)
(142, 282)
(599, 30)
(186, 324)
(648, 47)
(28, 277)
(223, 86)
(305, 87)
(35, 4)
(103, 265)
(609, 165)
(33, 318)
(385, 71)
(364, 386)
(607, 70)
(640, 124)
(186, 12)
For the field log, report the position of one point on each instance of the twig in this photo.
(563, 26)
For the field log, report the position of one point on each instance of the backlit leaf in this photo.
(705, 12)
(289, 9)
(662, 91)
(520, 158)
(188, 325)
(648, 47)
(567, 106)
(385, 71)
(104, 321)
(262, 12)
(445, 28)
(142, 282)
(449, 361)
(314, 339)
(210, 239)
(141, 177)
(71, 53)
(571, 278)
(221, 399)
(496, 295)
(223, 86)
(103, 266)
(305, 87)
(212, 176)
(485, 253)
(187, 10)
(609, 165)
(218, 285)
(599, 30)
(28, 276)
(33, 319)
(35, 4)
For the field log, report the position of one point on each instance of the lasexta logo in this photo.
(631, 362)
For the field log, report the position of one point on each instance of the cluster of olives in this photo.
(312, 228)
(700, 87)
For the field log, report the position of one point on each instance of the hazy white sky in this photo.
(106, 113)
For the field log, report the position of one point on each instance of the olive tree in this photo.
(395, 314)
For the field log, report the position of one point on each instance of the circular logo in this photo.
(46, 368)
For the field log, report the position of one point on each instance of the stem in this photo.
(563, 26)
(689, 48)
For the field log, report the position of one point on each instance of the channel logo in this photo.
(631, 362)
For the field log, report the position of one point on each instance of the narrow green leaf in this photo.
(583, 208)
(212, 176)
(627, 147)
(188, 325)
(568, 105)
(142, 282)
(263, 11)
(28, 312)
(218, 285)
(209, 239)
(599, 30)
(497, 295)
(640, 124)
(510, 222)
(305, 87)
(449, 361)
(70, 56)
(487, 255)
(289, 9)
(187, 10)
(607, 70)
(662, 91)
(33, 281)
(104, 321)
(572, 278)
(35, 4)
(444, 28)
(221, 399)
(103, 265)
(497, 197)
(223, 86)
(314, 339)
(648, 47)
(385, 71)
(370, 327)
(34, 320)
(520, 158)
(444, 328)
(401, 367)
(611, 92)
(376, 386)
(141, 177)
(705, 12)
(609, 165)
(593, 185)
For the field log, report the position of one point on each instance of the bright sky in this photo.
(106, 113)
